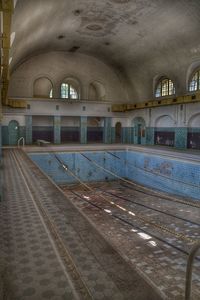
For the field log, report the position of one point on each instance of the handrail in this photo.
(21, 139)
(188, 279)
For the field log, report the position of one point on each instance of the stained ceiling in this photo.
(134, 36)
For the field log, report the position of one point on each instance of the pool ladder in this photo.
(19, 140)
(188, 280)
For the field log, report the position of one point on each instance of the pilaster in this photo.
(107, 134)
(83, 130)
(28, 121)
(57, 129)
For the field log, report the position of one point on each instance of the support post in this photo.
(57, 129)
(107, 134)
(28, 121)
(83, 130)
(181, 137)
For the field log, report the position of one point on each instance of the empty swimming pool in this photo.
(145, 204)
(170, 174)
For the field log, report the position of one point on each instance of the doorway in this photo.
(139, 131)
(13, 132)
(118, 132)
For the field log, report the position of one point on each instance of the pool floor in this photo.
(151, 231)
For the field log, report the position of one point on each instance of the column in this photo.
(1, 177)
(1, 167)
(107, 133)
(129, 135)
(124, 135)
(181, 137)
(150, 135)
(57, 129)
(112, 134)
(0, 142)
(28, 121)
(83, 130)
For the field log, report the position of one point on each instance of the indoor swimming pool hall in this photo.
(118, 218)
(99, 150)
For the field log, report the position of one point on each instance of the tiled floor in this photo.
(31, 267)
(32, 262)
(159, 255)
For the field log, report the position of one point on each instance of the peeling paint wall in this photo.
(56, 66)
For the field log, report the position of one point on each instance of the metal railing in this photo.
(21, 139)
(188, 280)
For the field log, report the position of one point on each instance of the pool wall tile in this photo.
(172, 175)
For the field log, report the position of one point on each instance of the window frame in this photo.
(68, 95)
(165, 89)
(197, 71)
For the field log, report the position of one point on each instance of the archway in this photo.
(193, 136)
(42, 88)
(164, 131)
(13, 132)
(96, 91)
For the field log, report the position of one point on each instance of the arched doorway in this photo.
(13, 132)
(118, 132)
(139, 131)
(164, 133)
(193, 136)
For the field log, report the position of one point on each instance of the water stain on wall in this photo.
(165, 168)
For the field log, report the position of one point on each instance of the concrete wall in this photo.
(145, 73)
(70, 121)
(19, 118)
(183, 115)
(42, 121)
(175, 125)
(57, 66)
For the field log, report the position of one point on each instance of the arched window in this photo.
(194, 84)
(42, 88)
(68, 91)
(96, 91)
(165, 87)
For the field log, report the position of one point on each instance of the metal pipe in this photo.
(21, 139)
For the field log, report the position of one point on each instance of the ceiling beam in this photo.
(6, 9)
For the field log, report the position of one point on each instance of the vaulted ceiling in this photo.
(139, 38)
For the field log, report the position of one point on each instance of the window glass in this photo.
(68, 91)
(51, 93)
(164, 88)
(195, 82)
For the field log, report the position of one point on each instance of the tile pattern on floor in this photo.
(164, 264)
(34, 269)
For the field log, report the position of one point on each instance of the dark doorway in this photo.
(118, 132)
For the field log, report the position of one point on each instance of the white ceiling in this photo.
(134, 36)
